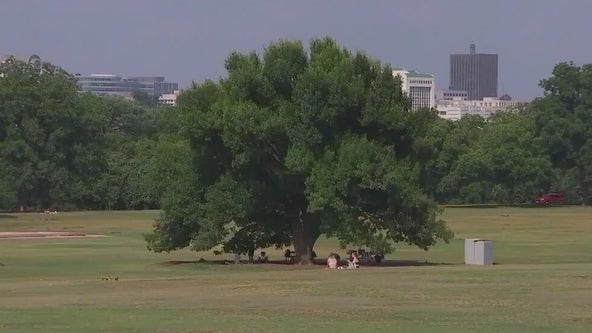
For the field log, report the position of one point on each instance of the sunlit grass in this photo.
(542, 282)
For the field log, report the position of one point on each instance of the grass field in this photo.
(542, 282)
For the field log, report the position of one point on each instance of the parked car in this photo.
(550, 198)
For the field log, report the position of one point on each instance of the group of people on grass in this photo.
(352, 262)
(262, 259)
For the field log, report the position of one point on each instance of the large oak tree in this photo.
(296, 143)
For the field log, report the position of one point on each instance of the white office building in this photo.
(169, 99)
(458, 107)
(419, 87)
(117, 85)
(448, 95)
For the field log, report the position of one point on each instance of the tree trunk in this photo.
(586, 195)
(21, 200)
(584, 188)
(305, 234)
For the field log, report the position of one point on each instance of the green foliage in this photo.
(516, 155)
(133, 120)
(143, 98)
(59, 148)
(506, 165)
(563, 122)
(380, 245)
(294, 144)
(50, 137)
(7, 189)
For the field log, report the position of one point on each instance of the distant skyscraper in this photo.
(475, 73)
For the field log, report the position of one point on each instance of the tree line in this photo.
(293, 143)
(66, 150)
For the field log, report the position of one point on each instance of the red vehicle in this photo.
(550, 198)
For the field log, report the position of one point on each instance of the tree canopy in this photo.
(50, 137)
(60, 148)
(563, 122)
(295, 143)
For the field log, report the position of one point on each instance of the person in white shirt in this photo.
(332, 261)
(263, 257)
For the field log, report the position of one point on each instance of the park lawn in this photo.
(542, 282)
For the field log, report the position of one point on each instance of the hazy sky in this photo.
(188, 40)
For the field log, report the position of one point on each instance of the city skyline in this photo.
(188, 41)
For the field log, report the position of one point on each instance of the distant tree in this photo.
(294, 145)
(157, 164)
(563, 123)
(143, 98)
(458, 139)
(506, 165)
(138, 138)
(7, 189)
(51, 138)
(131, 120)
(432, 135)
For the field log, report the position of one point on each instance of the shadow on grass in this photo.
(7, 216)
(182, 262)
(523, 205)
(403, 263)
(317, 262)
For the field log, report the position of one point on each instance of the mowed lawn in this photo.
(542, 281)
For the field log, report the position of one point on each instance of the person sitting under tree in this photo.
(263, 257)
(289, 255)
(332, 261)
(354, 260)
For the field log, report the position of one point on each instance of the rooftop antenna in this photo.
(472, 47)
